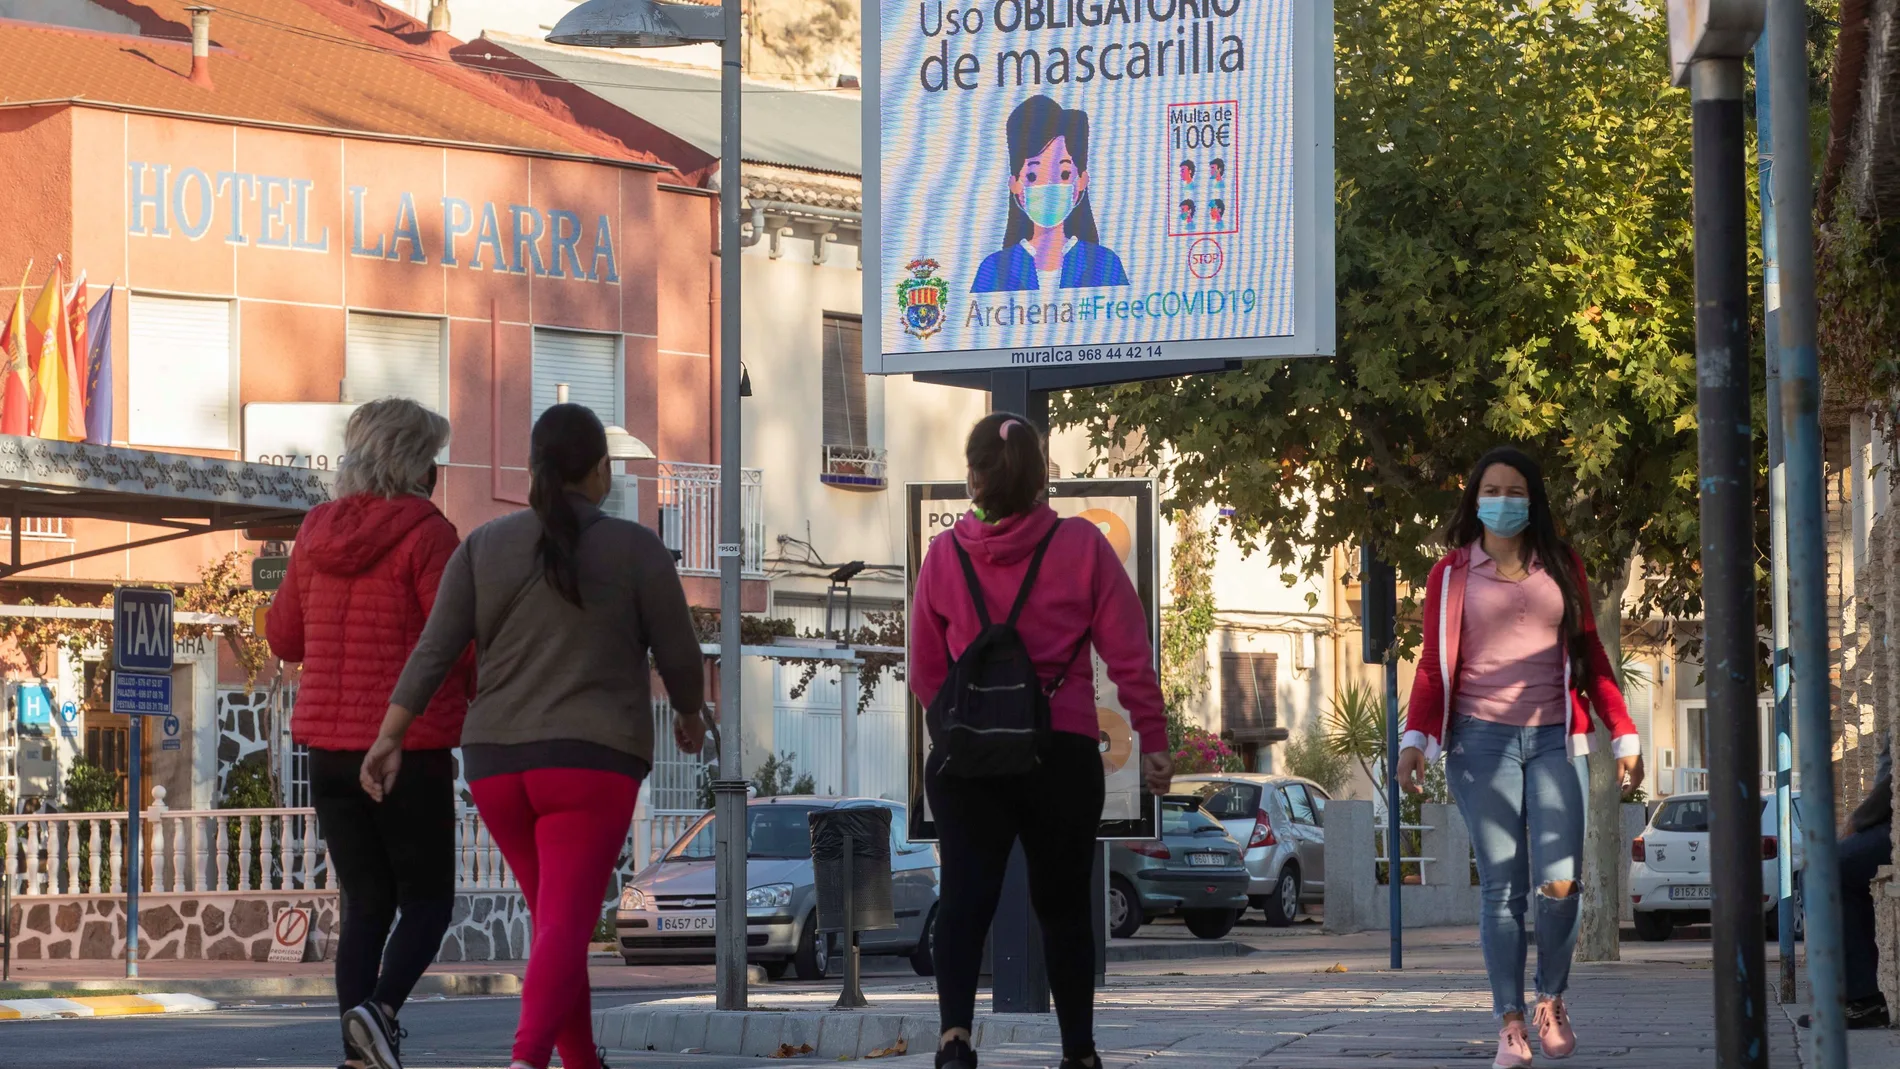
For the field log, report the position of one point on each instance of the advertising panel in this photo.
(1062, 183)
(1125, 511)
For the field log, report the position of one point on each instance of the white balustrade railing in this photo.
(184, 852)
(688, 496)
(226, 851)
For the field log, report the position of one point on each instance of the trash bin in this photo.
(869, 829)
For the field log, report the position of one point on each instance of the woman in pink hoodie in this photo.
(1510, 659)
(1079, 596)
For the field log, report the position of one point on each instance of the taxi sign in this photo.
(142, 630)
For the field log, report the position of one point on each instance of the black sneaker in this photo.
(375, 1036)
(956, 1055)
(1094, 1062)
(1861, 1013)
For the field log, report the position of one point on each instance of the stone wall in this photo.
(486, 926)
(234, 927)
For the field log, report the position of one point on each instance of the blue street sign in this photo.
(141, 630)
(36, 708)
(171, 740)
(68, 720)
(136, 694)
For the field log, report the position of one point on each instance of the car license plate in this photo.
(1207, 860)
(686, 924)
(1696, 893)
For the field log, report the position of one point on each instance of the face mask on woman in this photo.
(1049, 204)
(1505, 517)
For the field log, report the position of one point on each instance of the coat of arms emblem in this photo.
(920, 298)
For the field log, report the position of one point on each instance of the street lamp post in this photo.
(658, 24)
(1708, 39)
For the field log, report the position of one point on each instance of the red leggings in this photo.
(561, 830)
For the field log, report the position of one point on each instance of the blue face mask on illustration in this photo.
(1505, 517)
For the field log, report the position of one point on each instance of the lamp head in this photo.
(638, 24)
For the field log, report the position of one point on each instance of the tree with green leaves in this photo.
(1514, 265)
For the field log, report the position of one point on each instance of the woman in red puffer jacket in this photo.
(362, 580)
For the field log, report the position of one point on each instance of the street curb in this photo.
(448, 984)
(40, 1009)
(1139, 950)
(634, 1030)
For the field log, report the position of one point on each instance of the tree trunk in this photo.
(1598, 937)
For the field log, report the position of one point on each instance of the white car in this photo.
(1669, 866)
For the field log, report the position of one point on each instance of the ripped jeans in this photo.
(1522, 797)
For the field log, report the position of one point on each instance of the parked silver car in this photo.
(1276, 819)
(666, 916)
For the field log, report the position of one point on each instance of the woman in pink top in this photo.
(1080, 596)
(1510, 659)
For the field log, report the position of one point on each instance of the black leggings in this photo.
(1057, 811)
(396, 856)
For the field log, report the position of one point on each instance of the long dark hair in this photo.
(1036, 122)
(567, 443)
(1008, 470)
(1551, 550)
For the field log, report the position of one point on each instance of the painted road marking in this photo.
(39, 1009)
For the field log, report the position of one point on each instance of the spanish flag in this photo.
(73, 371)
(16, 390)
(47, 339)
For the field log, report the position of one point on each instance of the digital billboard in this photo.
(1090, 182)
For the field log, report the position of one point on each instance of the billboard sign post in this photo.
(142, 652)
(1096, 183)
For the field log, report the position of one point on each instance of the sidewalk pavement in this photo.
(1284, 1007)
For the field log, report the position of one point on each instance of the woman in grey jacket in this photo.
(564, 605)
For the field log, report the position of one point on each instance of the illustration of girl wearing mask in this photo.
(1050, 230)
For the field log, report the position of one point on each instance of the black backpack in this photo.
(992, 714)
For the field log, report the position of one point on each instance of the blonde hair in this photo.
(389, 447)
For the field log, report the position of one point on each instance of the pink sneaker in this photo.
(1553, 1029)
(1514, 1047)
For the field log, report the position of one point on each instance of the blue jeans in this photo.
(1522, 797)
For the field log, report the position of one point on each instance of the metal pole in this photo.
(852, 997)
(1395, 876)
(729, 792)
(1019, 981)
(1807, 525)
(133, 802)
(1728, 561)
(1786, 907)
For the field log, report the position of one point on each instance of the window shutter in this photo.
(846, 414)
(394, 356)
(1249, 696)
(180, 379)
(588, 363)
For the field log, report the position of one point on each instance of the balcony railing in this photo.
(688, 496)
(857, 467)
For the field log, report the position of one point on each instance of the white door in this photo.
(182, 373)
(394, 356)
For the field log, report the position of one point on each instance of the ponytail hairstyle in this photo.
(567, 443)
(1008, 470)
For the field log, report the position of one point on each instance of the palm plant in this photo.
(1355, 727)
